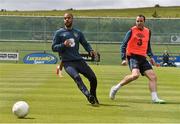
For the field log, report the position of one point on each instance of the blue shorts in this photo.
(140, 62)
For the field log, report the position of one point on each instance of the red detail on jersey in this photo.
(138, 43)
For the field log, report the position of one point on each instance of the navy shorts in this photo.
(140, 62)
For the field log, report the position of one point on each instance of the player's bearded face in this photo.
(140, 22)
(68, 19)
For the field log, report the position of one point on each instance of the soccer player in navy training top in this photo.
(66, 42)
(135, 48)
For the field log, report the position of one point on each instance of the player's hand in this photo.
(124, 62)
(152, 61)
(93, 54)
(67, 43)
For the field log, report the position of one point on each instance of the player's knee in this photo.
(135, 76)
(153, 77)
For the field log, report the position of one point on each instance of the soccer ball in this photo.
(20, 109)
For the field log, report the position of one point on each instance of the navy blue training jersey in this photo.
(69, 53)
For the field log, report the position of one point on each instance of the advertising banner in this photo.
(9, 56)
(159, 59)
(40, 58)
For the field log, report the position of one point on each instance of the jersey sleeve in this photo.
(124, 44)
(149, 50)
(57, 43)
(84, 43)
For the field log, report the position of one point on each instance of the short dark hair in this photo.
(142, 16)
(69, 14)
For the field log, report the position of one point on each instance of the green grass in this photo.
(162, 12)
(58, 100)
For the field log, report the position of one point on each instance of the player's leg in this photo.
(60, 69)
(90, 75)
(57, 69)
(127, 79)
(76, 77)
(135, 73)
(153, 86)
(70, 69)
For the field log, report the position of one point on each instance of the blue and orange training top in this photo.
(136, 42)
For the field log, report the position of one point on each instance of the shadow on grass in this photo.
(108, 105)
(27, 118)
(114, 105)
(171, 102)
(138, 101)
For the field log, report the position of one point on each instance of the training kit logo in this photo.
(140, 37)
(40, 58)
(75, 34)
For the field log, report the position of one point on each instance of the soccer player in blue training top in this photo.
(135, 48)
(66, 42)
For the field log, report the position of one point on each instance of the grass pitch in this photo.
(58, 100)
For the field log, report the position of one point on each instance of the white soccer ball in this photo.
(20, 109)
